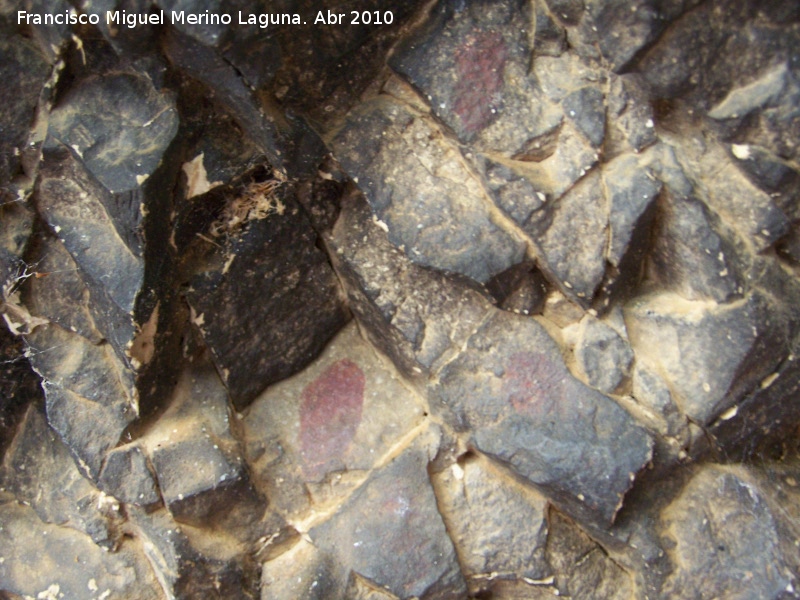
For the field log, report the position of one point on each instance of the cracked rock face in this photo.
(492, 299)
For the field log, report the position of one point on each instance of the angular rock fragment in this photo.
(100, 232)
(758, 216)
(710, 355)
(721, 57)
(604, 358)
(620, 31)
(513, 192)
(520, 289)
(561, 311)
(196, 478)
(302, 572)
(631, 191)
(512, 394)
(662, 415)
(555, 161)
(25, 541)
(630, 116)
(39, 471)
(574, 245)
(498, 527)
(201, 473)
(126, 476)
(218, 149)
(586, 108)
(90, 394)
(582, 567)
(742, 100)
(361, 588)
(24, 70)
(471, 62)
(58, 293)
(267, 301)
(549, 38)
(390, 531)
(716, 523)
(690, 256)
(288, 143)
(774, 125)
(188, 565)
(415, 180)
(766, 170)
(766, 415)
(417, 316)
(19, 383)
(18, 220)
(568, 11)
(120, 147)
(312, 438)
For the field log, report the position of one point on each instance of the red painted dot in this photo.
(330, 413)
(479, 64)
(533, 383)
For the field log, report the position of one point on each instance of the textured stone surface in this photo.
(470, 62)
(184, 566)
(416, 316)
(197, 461)
(723, 517)
(391, 532)
(477, 503)
(55, 550)
(579, 216)
(568, 236)
(24, 71)
(732, 349)
(80, 210)
(581, 566)
(406, 166)
(603, 355)
(267, 301)
(120, 147)
(511, 390)
(40, 472)
(316, 436)
(90, 401)
(691, 257)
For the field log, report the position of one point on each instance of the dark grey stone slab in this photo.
(512, 393)
(417, 316)
(122, 146)
(711, 356)
(690, 256)
(89, 392)
(265, 300)
(716, 523)
(435, 209)
(390, 531)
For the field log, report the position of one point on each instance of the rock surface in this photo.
(469, 299)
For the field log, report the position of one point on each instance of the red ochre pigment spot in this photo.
(330, 413)
(479, 64)
(533, 383)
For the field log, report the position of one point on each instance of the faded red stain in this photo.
(534, 384)
(330, 413)
(479, 65)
